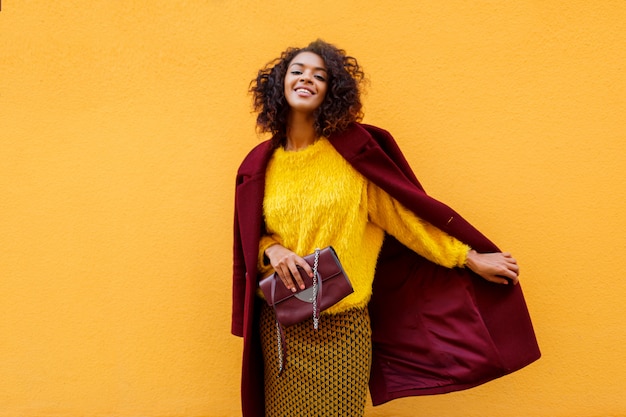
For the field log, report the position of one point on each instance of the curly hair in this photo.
(341, 105)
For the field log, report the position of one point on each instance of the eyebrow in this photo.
(302, 65)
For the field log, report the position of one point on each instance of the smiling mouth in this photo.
(303, 90)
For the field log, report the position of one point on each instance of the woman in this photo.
(435, 306)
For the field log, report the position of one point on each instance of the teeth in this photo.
(302, 90)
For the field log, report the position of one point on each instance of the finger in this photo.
(295, 272)
(307, 268)
(511, 261)
(514, 268)
(509, 273)
(510, 276)
(499, 280)
(285, 277)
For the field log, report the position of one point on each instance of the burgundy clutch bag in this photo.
(329, 285)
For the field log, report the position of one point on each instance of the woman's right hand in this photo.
(285, 264)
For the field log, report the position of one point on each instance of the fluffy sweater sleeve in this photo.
(417, 234)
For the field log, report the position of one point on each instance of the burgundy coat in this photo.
(434, 329)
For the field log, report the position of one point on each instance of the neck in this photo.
(300, 133)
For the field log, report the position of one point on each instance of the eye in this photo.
(320, 77)
(296, 72)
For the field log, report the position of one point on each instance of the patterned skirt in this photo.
(326, 371)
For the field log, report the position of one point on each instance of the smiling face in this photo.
(306, 82)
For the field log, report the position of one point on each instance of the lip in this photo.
(303, 88)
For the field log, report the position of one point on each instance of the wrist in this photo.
(266, 259)
(270, 248)
(267, 253)
(470, 259)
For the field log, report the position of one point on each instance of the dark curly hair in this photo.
(341, 105)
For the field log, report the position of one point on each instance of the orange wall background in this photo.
(122, 124)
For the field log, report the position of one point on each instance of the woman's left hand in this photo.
(497, 267)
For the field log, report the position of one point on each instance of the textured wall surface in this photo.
(122, 124)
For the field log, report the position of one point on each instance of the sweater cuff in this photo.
(263, 264)
(462, 260)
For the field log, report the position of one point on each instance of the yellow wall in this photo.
(122, 124)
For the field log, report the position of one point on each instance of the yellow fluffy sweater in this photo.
(314, 198)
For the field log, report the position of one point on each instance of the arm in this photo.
(413, 232)
(434, 244)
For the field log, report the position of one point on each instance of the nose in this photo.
(305, 76)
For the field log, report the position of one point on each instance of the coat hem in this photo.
(443, 389)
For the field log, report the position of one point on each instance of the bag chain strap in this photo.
(280, 347)
(316, 318)
(279, 330)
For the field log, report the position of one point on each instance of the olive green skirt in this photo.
(325, 371)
